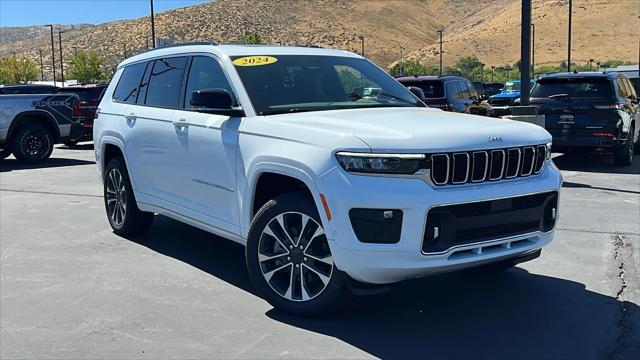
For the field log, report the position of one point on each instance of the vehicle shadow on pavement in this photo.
(88, 146)
(12, 164)
(510, 315)
(597, 163)
(514, 314)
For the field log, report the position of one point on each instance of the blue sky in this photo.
(38, 12)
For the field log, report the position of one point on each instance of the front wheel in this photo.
(289, 259)
(122, 211)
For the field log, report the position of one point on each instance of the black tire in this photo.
(124, 216)
(5, 152)
(32, 143)
(623, 154)
(322, 295)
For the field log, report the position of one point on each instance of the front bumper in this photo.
(387, 263)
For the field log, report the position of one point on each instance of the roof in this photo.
(236, 50)
(584, 74)
(419, 78)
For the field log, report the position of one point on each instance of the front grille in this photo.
(500, 101)
(453, 225)
(491, 165)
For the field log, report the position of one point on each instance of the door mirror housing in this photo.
(419, 93)
(215, 101)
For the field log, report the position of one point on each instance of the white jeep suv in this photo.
(334, 176)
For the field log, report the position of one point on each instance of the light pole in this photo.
(492, 68)
(590, 64)
(533, 50)
(361, 37)
(61, 61)
(53, 55)
(569, 37)
(401, 60)
(153, 27)
(525, 53)
(440, 33)
(481, 72)
(41, 67)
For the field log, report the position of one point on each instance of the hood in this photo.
(411, 129)
(511, 94)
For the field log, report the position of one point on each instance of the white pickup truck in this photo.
(335, 177)
(30, 124)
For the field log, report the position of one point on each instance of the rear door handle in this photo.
(131, 116)
(181, 123)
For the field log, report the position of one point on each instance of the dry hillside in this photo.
(488, 29)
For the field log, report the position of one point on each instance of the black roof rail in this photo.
(187, 44)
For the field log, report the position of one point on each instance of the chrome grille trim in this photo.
(447, 172)
(515, 173)
(501, 165)
(486, 165)
(466, 175)
(538, 170)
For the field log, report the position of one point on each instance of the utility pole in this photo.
(533, 50)
(361, 37)
(61, 61)
(440, 32)
(53, 55)
(153, 27)
(401, 60)
(41, 67)
(569, 37)
(481, 72)
(525, 53)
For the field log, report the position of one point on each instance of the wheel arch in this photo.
(42, 117)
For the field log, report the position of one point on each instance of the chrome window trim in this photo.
(447, 172)
(517, 166)
(503, 164)
(453, 175)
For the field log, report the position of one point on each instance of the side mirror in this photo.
(214, 101)
(419, 93)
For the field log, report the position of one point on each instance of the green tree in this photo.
(410, 67)
(252, 38)
(85, 66)
(17, 70)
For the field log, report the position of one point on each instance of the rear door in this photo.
(576, 106)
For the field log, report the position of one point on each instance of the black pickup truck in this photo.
(30, 124)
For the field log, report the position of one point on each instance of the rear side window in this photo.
(205, 73)
(127, 88)
(464, 90)
(453, 91)
(574, 87)
(165, 82)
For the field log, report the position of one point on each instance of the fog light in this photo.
(376, 226)
(553, 213)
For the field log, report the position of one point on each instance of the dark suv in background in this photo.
(90, 96)
(590, 111)
(449, 93)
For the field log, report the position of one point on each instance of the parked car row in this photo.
(35, 117)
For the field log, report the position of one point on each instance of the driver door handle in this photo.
(131, 116)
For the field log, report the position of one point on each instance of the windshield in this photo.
(295, 83)
(511, 86)
(573, 87)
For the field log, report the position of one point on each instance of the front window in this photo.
(282, 84)
(511, 87)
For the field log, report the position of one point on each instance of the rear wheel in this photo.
(32, 143)
(122, 211)
(623, 153)
(289, 259)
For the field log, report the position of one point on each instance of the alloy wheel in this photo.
(116, 197)
(294, 256)
(34, 143)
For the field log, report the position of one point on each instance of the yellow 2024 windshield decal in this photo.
(254, 60)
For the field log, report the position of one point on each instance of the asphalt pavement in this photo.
(70, 288)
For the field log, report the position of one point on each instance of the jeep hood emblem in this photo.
(495, 138)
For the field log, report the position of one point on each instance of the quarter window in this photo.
(165, 82)
(205, 73)
(127, 89)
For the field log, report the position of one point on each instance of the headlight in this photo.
(381, 163)
(548, 150)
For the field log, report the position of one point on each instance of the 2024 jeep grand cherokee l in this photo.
(333, 174)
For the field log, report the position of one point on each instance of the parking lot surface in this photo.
(70, 288)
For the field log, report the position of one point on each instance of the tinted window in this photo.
(573, 87)
(464, 90)
(165, 82)
(205, 73)
(127, 88)
(432, 89)
(453, 91)
(85, 94)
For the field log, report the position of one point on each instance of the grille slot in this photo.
(478, 166)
